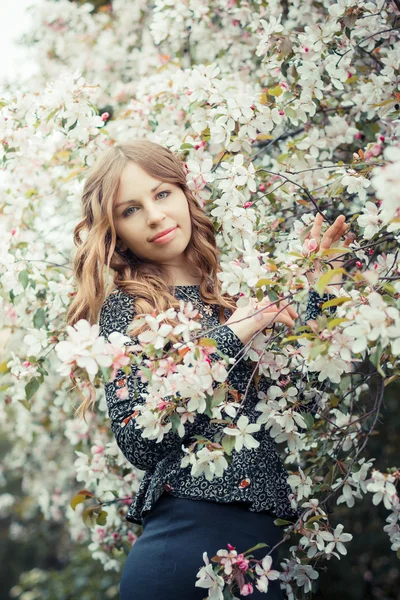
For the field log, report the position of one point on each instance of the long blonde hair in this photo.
(146, 282)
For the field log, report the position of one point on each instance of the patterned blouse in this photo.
(255, 476)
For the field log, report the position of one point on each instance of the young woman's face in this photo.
(146, 206)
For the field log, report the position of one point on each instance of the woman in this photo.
(144, 223)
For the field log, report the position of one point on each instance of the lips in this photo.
(162, 233)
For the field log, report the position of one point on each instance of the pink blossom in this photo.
(247, 589)
(97, 449)
(123, 393)
(228, 559)
(376, 149)
(309, 246)
(242, 562)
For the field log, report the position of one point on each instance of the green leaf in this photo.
(186, 145)
(89, 517)
(228, 443)
(219, 396)
(38, 318)
(317, 350)
(31, 388)
(175, 421)
(276, 91)
(329, 251)
(3, 367)
(332, 323)
(273, 296)
(388, 287)
(227, 593)
(26, 404)
(204, 341)
(81, 496)
(315, 518)
(102, 518)
(336, 188)
(375, 359)
(23, 278)
(148, 373)
(305, 233)
(280, 522)
(260, 295)
(336, 302)
(51, 115)
(262, 282)
(256, 547)
(326, 279)
(291, 338)
(334, 400)
(208, 407)
(284, 68)
(77, 499)
(291, 113)
(309, 419)
(304, 328)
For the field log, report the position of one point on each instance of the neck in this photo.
(183, 274)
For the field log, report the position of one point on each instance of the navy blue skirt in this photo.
(164, 560)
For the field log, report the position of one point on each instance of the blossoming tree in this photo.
(281, 111)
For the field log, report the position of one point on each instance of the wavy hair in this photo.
(97, 244)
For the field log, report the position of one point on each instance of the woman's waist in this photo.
(192, 511)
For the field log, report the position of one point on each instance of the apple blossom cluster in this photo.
(179, 386)
(230, 568)
(276, 115)
(231, 571)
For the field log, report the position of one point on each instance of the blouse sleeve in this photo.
(314, 308)
(116, 314)
(315, 302)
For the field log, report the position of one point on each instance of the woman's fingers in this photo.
(279, 305)
(282, 317)
(349, 239)
(334, 232)
(315, 232)
(286, 320)
(290, 310)
(284, 314)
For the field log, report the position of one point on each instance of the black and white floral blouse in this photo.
(255, 476)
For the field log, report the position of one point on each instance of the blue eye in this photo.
(126, 213)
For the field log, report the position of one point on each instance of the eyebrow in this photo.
(127, 201)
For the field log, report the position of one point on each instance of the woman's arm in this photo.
(116, 314)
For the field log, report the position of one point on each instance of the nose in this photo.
(154, 215)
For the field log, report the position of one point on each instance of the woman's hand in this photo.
(331, 236)
(259, 315)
